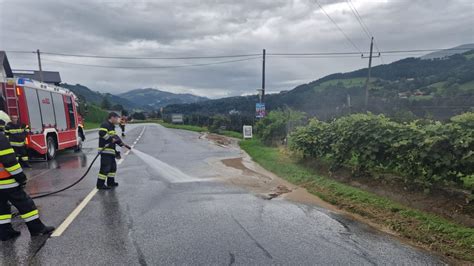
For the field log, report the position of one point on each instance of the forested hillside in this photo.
(412, 87)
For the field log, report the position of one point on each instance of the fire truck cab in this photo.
(49, 110)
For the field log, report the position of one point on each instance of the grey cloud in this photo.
(190, 27)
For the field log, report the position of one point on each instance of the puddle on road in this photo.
(164, 170)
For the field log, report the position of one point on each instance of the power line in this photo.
(152, 67)
(358, 18)
(146, 58)
(245, 56)
(364, 26)
(20, 52)
(339, 56)
(337, 26)
(382, 52)
(317, 56)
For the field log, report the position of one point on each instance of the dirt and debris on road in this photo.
(219, 139)
(266, 184)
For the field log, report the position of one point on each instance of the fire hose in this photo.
(46, 194)
(42, 195)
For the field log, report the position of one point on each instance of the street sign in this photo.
(247, 132)
(260, 110)
(177, 118)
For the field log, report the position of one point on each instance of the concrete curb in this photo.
(91, 130)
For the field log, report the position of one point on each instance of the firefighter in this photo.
(12, 182)
(17, 132)
(123, 121)
(108, 140)
(4, 119)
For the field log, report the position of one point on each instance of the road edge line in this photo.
(72, 216)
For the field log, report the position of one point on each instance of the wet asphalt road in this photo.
(152, 218)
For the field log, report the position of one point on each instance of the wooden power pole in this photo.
(367, 82)
(39, 64)
(262, 98)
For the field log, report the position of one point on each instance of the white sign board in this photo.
(177, 118)
(247, 132)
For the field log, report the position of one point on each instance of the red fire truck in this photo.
(49, 110)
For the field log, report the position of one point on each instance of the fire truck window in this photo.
(70, 110)
(34, 113)
(59, 111)
(47, 110)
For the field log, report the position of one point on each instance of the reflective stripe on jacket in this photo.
(9, 166)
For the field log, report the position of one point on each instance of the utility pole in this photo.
(367, 82)
(39, 64)
(349, 105)
(262, 97)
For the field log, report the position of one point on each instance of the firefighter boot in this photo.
(7, 232)
(37, 228)
(101, 184)
(111, 182)
(25, 164)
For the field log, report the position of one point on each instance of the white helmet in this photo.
(4, 117)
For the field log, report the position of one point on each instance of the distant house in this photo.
(5, 69)
(419, 93)
(51, 77)
(403, 95)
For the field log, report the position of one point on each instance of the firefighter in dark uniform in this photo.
(108, 140)
(12, 182)
(123, 121)
(17, 132)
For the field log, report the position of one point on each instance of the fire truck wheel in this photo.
(51, 143)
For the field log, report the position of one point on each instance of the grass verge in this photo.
(428, 230)
(185, 127)
(231, 134)
(91, 125)
(227, 133)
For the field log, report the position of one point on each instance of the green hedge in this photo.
(95, 114)
(424, 153)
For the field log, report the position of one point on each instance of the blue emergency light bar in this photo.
(21, 81)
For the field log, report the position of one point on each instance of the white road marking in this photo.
(60, 230)
(73, 215)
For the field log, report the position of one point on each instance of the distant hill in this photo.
(449, 52)
(96, 97)
(143, 99)
(437, 88)
(154, 99)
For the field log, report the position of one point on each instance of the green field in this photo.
(346, 83)
(468, 86)
(94, 115)
(420, 227)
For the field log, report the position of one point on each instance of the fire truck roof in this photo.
(52, 77)
(42, 86)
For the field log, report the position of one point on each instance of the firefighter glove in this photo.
(21, 179)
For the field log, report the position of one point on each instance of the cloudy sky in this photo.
(146, 28)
